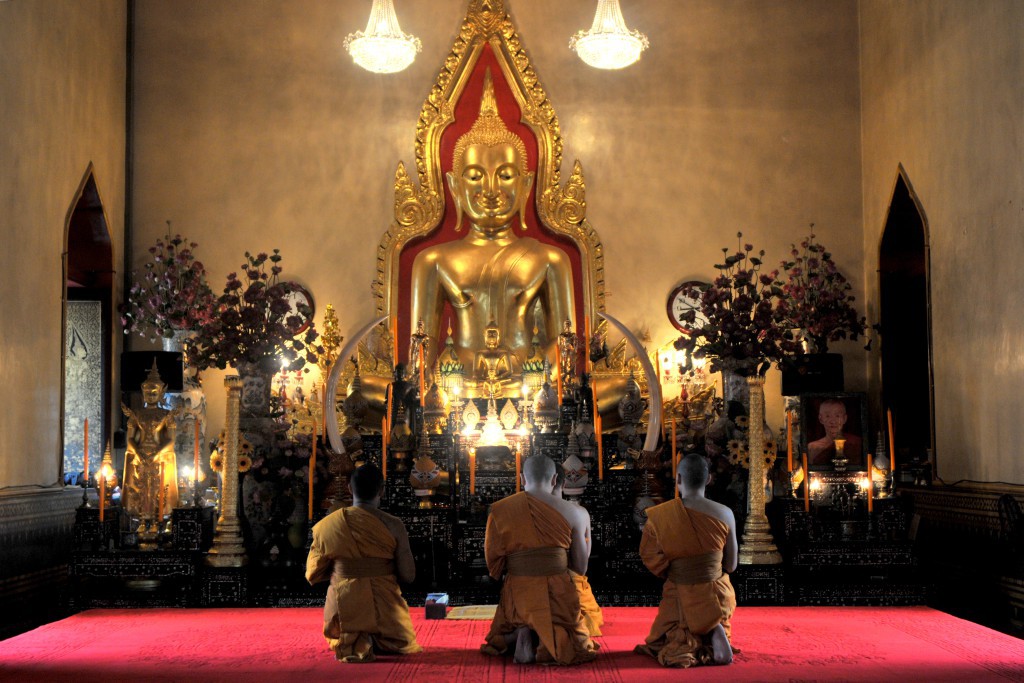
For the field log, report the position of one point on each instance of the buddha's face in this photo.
(492, 185)
(151, 393)
(491, 337)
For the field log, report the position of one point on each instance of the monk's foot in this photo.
(720, 647)
(526, 649)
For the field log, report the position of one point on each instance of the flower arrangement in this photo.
(816, 297)
(170, 294)
(253, 322)
(744, 330)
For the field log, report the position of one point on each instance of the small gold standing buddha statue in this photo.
(150, 488)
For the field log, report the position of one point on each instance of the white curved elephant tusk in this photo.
(653, 387)
(332, 382)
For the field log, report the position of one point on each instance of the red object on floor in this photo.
(284, 644)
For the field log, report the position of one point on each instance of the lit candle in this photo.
(871, 484)
(558, 358)
(892, 445)
(195, 473)
(600, 447)
(789, 441)
(423, 383)
(384, 448)
(85, 464)
(472, 471)
(519, 470)
(807, 486)
(101, 475)
(312, 471)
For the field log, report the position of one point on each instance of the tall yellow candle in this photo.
(600, 446)
(519, 470)
(163, 493)
(85, 464)
(394, 342)
(558, 359)
(675, 456)
(312, 473)
(586, 341)
(871, 484)
(323, 408)
(195, 467)
(103, 489)
(384, 448)
(423, 383)
(892, 445)
(789, 441)
(807, 486)
(472, 471)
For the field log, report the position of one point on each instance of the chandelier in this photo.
(382, 48)
(609, 44)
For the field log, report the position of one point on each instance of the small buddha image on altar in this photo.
(150, 488)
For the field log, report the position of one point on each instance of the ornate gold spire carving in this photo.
(419, 206)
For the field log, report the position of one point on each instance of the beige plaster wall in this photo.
(943, 96)
(254, 130)
(62, 85)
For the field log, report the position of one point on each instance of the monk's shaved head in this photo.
(693, 469)
(366, 481)
(538, 469)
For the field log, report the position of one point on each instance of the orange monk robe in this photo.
(548, 605)
(687, 610)
(592, 616)
(360, 613)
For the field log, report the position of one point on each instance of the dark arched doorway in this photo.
(905, 294)
(88, 321)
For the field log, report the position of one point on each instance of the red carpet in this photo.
(253, 645)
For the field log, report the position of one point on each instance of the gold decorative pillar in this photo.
(227, 550)
(758, 546)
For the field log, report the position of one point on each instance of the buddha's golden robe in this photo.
(592, 616)
(364, 608)
(547, 601)
(685, 546)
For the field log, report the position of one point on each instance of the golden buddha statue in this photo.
(492, 274)
(150, 488)
(492, 367)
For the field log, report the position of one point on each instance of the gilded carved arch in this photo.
(420, 205)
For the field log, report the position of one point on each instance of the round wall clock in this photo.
(679, 303)
(300, 295)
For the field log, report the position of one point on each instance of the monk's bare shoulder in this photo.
(395, 525)
(716, 510)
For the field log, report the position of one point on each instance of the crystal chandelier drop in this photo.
(609, 44)
(382, 48)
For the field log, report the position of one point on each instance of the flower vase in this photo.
(758, 546)
(256, 389)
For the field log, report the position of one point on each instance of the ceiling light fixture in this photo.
(609, 44)
(382, 48)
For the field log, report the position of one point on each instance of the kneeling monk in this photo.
(361, 550)
(534, 539)
(592, 616)
(689, 541)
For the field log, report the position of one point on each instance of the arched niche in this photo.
(906, 329)
(87, 302)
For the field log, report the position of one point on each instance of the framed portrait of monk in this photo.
(834, 431)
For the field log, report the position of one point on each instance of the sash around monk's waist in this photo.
(549, 561)
(702, 568)
(363, 567)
